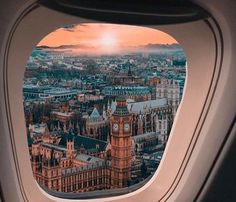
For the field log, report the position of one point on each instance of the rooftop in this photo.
(90, 144)
(87, 158)
(52, 146)
(137, 107)
(95, 116)
(145, 136)
(126, 90)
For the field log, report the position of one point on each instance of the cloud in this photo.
(69, 28)
(76, 46)
(66, 46)
(74, 27)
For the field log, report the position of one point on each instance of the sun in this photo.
(108, 41)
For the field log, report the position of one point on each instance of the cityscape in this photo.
(99, 120)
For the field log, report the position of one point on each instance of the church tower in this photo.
(121, 132)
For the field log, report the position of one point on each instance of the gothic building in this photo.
(72, 163)
(150, 116)
(76, 164)
(127, 80)
(97, 125)
(171, 90)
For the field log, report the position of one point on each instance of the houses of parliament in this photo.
(73, 163)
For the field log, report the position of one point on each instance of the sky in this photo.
(104, 38)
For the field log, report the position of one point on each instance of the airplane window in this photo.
(99, 104)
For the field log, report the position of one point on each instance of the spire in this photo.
(129, 71)
(70, 125)
(108, 104)
(95, 116)
(58, 125)
(131, 107)
(108, 138)
(64, 127)
(104, 114)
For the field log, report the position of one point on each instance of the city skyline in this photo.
(94, 38)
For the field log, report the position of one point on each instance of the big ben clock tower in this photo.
(121, 130)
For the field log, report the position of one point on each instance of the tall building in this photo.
(121, 132)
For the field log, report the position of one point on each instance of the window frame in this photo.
(14, 129)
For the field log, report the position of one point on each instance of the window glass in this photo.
(99, 103)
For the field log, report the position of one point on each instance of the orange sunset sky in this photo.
(105, 38)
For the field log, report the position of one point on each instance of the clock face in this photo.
(126, 127)
(115, 127)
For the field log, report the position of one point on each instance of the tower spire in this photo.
(129, 71)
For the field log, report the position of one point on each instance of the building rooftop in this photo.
(88, 159)
(59, 91)
(126, 90)
(145, 136)
(137, 107)
(53, 146)
(95, 116)
(90, 144)
(35, 88)
(65, 114)
(98, 164)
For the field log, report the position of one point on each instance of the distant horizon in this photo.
(98, 38)
(146, 49)
(62, 46)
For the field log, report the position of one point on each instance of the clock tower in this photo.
(121, 130)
